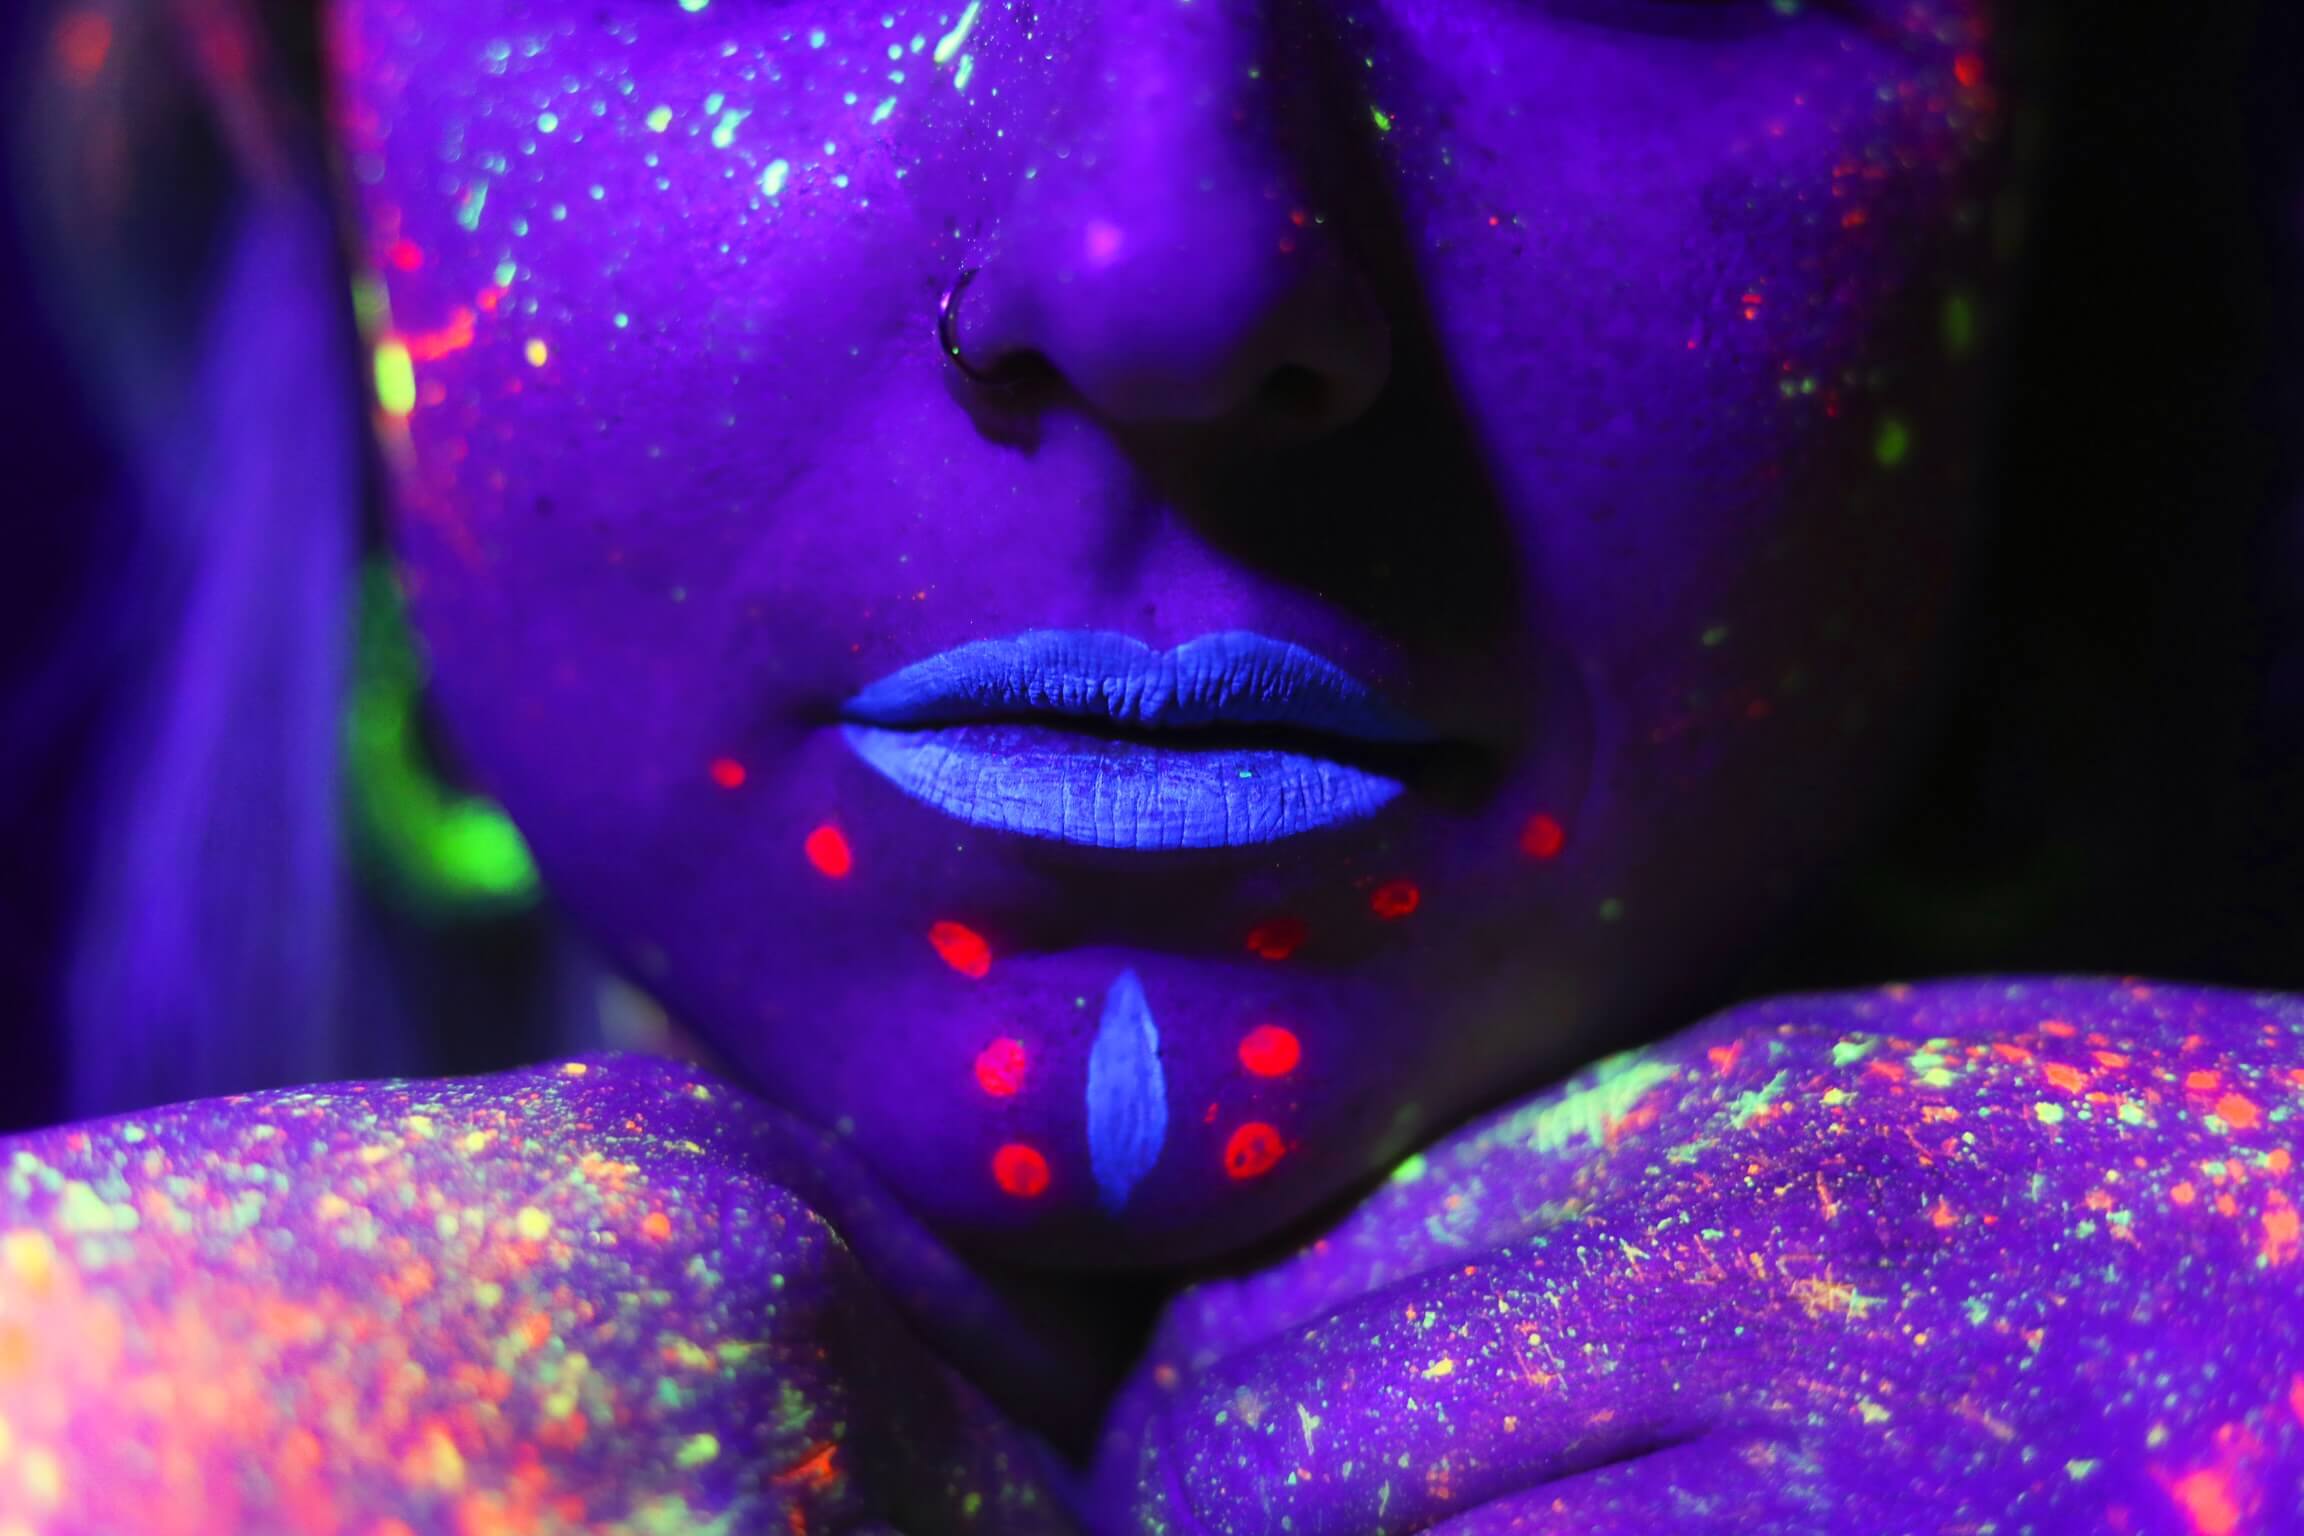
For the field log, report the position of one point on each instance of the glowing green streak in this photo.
(441, 851)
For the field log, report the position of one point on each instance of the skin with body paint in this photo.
(1526, 440)
(1985, 1254)
(1412, 479)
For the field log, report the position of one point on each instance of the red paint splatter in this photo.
(962, 948)
(1253, 1149)
(1394, 899)
(1020, 1170)
(1277, 939)
(829, 852)
(1271, 1051)
(1000, 1068)
(727, 773)
(2206, 1499)
(1968, 69)
(405, 254)
(1543, 837)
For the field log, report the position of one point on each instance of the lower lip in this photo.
(1098, 793)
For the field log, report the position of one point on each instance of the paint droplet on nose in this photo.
(727, 773)
(1277, 939)
(829, 852)
(962, 948)
(1020, 1170)
(1000, 1068)
(1394, 899)
(1253, 1149)
(1271, 1051)
(1543, 837)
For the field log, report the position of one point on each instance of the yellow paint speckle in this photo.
(533, 1224)
(30, 1256)
(536, 352)
(43, 1477)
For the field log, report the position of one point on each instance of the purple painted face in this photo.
(1439, 520)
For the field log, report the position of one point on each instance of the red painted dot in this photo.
(1020, 1170)
(962, 947)
(727, 773)
(1000, 1068)
(1253, 1149)
(1270, 1051)
(1968, 69)
(1394, 899)
(1277, 939)
(829, 852)
(1543, 837)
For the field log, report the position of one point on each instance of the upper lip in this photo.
(1114, 682)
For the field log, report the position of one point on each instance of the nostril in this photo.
(1296, 391)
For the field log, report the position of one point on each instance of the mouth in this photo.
(1093, 738)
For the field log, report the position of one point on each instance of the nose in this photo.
(1176, 267)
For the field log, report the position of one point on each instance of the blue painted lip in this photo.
(1094, 738)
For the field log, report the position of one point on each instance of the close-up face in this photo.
(1426, 523)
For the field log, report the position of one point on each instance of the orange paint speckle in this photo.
(1020, 1170)
(1941, 1215)
(2206, 1500)
(1395, 899)
(727, 773)
(1000, 1068)
(1277, 939)
(2280, 1234)
(1723, 1057)
(828, 850)
(2184, 1193)
(2070, 1079)
(2277, 1161)
(1253, 1149)
(2202, 1081)
(2237, 1112)
(962, 948)
(1271, 1051)
(1543, 837)
(656, 1226)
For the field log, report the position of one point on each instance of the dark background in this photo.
(2120, 789)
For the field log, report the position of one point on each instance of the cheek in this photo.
(1710, 310)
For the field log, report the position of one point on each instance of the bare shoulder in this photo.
(282, 1310)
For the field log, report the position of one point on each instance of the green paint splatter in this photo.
(2052, 1114)
(1616, 1085)
(1846, 1053)
(1748, 1105)
(1959, 324)
(948, 45)
(1383, 122)
(1894, 444)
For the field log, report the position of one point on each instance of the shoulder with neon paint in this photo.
(1996, 1250)
(608, 1294)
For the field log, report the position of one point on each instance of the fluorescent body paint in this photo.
(1127, 1094)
